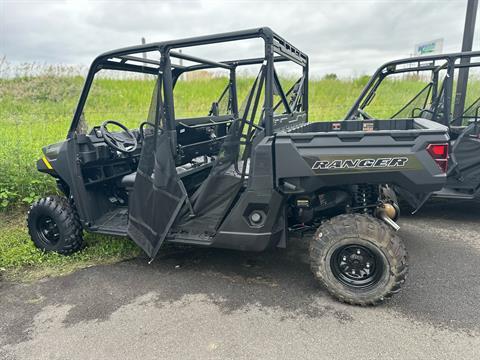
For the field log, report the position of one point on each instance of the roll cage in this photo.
(276, 50)
(439, 90)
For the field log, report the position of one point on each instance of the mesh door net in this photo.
(216, 195)
(158, 193)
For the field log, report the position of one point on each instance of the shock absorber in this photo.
(365, 197)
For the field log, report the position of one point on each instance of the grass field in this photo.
(36, 111)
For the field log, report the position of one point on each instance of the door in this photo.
(157, 197)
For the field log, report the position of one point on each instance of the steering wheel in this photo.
(364, 114)
(124, 142)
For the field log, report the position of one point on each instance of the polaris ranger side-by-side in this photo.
(439, 98)
(242, 177)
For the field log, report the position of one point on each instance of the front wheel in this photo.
(358, 259)
(53, 225)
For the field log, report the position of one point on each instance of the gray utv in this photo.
(243, 177)
(441, 99)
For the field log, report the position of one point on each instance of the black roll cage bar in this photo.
(276, 50)
(423, 63)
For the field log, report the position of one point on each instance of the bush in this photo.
(331, 76)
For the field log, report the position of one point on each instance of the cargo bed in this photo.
(321, 154)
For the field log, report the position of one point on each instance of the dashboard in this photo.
(100, 163)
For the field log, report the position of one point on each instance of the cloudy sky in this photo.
(346, 37)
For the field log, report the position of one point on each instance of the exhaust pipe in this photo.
(387, 212)
(390, 222)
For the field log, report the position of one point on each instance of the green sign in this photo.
(430, 47)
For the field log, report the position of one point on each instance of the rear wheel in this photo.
(358, 259)
(53, 225)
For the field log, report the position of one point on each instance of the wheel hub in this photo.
(355, 265)
(48, 230)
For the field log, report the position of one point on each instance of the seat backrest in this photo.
(200, 136)
(466, 153)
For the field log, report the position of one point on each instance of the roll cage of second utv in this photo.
(444, 100)
(242, 178)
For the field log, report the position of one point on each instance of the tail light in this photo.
(439, 153)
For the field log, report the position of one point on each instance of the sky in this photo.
(349, 38)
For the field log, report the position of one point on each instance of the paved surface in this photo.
(203, 303)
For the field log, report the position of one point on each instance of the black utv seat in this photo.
(185, 170)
